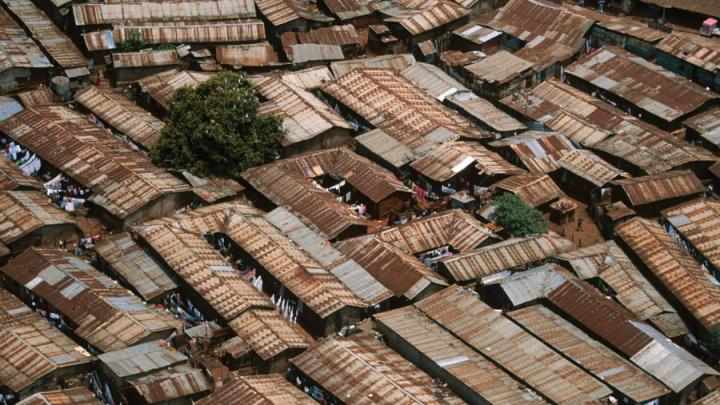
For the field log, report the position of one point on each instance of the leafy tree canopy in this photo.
(214, 129)
(134, 43)
(517, 217)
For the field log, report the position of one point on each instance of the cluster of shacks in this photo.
(364, 265)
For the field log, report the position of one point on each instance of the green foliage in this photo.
(517, 217)
(214, 129)
(134, 43)
(165, 47)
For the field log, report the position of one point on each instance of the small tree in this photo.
(214, 129)
(134, 43)
(517, 217)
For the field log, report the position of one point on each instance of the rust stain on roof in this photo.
(659, 187)
(534, 189)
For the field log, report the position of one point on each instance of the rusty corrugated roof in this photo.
(280, 12)
(693, 49)
(147, 11)
(486, 330)
(123, 60)
(25, 212)
(538, 151)
(348, 9)
(269, 389)
(363, 371)
(35, 97)
(417, 17)
(659, 187)
(171, 383)
(706, 7)
(163, 85)
(589, 166)
(267, 332)
(485, 112)
(396, 63)
(498, 68)
(248, 55)
(698, 222)
(534, 189)
(16, 49)
(706, 124)
(11, 177)
(70, 396)
(624, 25)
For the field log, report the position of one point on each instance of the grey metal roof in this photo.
(141, 359)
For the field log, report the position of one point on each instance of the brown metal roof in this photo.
(447, 160)
(589, 166)
(459, 360)
(169, 384)
(267, 332)
(11, 177)
(121, 180)
(25, 212)
(304, 115)
(146, 11)
(396, 63)
(137, 267)
(333, 35)
(699, 223)
(397, 270)
(706, 124)
(141, 359)
(659, 187)
(35, 97)
(145, 59)
(505, 255)
(590, 354)
(624, 25)
(280, 12)
(608, 262)
(163, 85)
(648, 86)
(477, 33)
(70, 396)
(16, 49)
(707, 7)
(534, 189)
(485, 112)
(538, 151)
(417, 17)
(248, 55)
(31, 347)
(44, 31)
(448, 228)
(693, 49)
(269, 389)
(498, 68)
(530, 19)
(362, 370)
(675, 268)
(348, 9)
(577, 129)
(709, 399)
(107, 316)
(486, 330)
(121, 113)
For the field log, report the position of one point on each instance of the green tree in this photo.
(214, 129)
(517, 217)
(134, 43)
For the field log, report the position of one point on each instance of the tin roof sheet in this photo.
(477, 33)
(505, 255)
(304, 115)
(136, 266)
(450, 159)
(11, 177)
(709, 399)
(600, 361)
(146, 11)
(248, 55)
(620, 24)
(109, 318)
(486, 330)
(267, 332)
(123, 60)
(16, 49)
(499, 68)
(121, 113)
(43, 95)
(280, 12)
(577, 129)
(648, 86)
(428, 16)
(675, 268)
(659, 187)
(433, 80)
(707, 7)
(121, 180)
(538, 151)
(534, 189)
(270, 389)
(362, 370)
(302, 53)
(698, 222)
(396, 63)
(25, 212)
(706, 124)
(693, 49)
(163, 85)
(60, 48)
(589, 166)
(169, 384)
(74, 396)
(485, 112)
(309, 78)
(141, 359)
(386, 147)
(459, 360)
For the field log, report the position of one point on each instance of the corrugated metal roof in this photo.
(418, 18)
(136, 266)
(505, 255)
(249, 55)
(121, 113)
(163, 85)
(304, 115)
(212, 189)
(463, 363)
(362, 370)
(108, 317)
(577, 128)
(590, 354)
(35, 97)
(589, 166)
(544, 52)
(709, 399)
(699, 223)
(396, 63)
(16, 49)
(450, 159)
(707, 125)
(529, 285)
(121, 180)
(608, 262)
(122, 60)
(386, 147)
(530, 19)
(397, 270)
(169, 384)
(333, 35)
(269, 389)
(31, 347)
(146, 11)
(659, 187)
(74, 396)
(534, 189)
(50, 37)
(141, 359)
(11, 177)
(485, 112)
(267, 332)
(448, 228)
(498, 68)
(620, 24)
(648, 86)
(538, 151)
(280, 12)
(433, 80)
(486, 330)
(24, 212)
(707, 7)
(477, 33)
(302, 53)
(308, 79)
(693, 49)
(347, 270)
(675, 268)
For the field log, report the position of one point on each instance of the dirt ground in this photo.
(588, 235)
